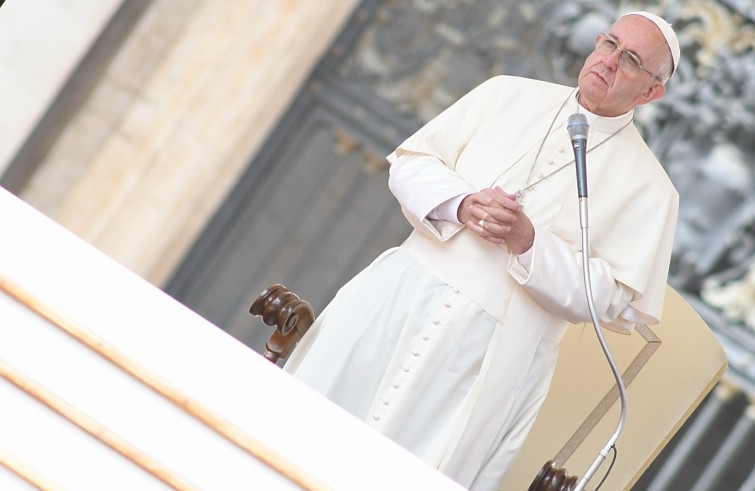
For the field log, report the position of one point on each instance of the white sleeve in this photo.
(428, 192)
(448, 210)
(554, 278)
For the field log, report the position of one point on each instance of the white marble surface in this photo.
(93, 292)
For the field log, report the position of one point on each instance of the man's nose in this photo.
(611, 60)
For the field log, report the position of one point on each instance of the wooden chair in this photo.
(667, 368)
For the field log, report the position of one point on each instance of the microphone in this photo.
(577, 127)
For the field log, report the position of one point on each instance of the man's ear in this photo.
(653, 93)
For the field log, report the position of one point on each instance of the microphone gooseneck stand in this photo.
(551, 478)
(617, 375)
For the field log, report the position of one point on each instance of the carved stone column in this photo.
(189, 96)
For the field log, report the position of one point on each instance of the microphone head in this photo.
(577, 127)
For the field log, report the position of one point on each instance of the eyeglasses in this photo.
(605, 44)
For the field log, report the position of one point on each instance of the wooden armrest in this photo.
(290, 315)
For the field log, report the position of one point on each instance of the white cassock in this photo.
(447, 344)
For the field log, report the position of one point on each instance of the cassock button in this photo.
(551, 161)
(447, 305)
(426, 338)
(561, 149)
(406, 369)
(386, 402)
(415, 353)
(396, 386)
(436, 322)
(376, 417)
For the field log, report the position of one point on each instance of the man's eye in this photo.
(631, 60)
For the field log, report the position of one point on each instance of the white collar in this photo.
(603, 124)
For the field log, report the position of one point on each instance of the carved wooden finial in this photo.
(290, 315)
(552, 478)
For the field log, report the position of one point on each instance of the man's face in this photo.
(608, 90)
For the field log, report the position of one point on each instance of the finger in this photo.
(500, 194)
(504, 199)
(489, 230)
(495, 240)
(478, 225)
(496, 215)
(508, 195)
(484, 228)
(493, 229)
(509, 202)
(501, 199)
(486, 197)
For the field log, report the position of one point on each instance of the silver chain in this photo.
(527, 186)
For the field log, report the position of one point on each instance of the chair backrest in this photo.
(668, 369)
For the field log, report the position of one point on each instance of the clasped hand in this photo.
(495, 215)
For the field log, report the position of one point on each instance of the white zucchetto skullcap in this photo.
(668, 34)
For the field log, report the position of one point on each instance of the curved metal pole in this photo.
(596, 324)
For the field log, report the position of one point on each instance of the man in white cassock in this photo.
(447, 344)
